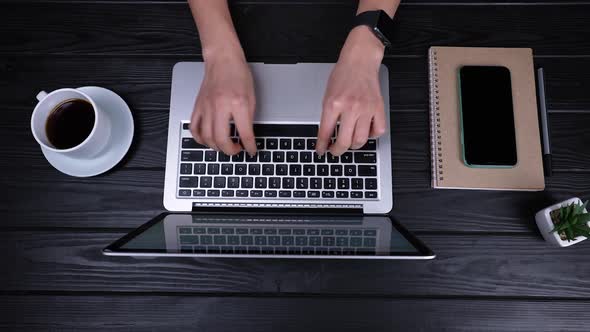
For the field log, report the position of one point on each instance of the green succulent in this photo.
(573, 222)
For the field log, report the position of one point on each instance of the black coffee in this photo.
(70, 123)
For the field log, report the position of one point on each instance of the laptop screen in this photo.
(270, 236)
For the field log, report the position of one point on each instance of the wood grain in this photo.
(521, 265)
(131, 313)
(166, 29)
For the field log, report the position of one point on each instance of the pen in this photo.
(544, 124)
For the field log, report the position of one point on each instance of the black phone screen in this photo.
(487, 116)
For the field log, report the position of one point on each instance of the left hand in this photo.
(353, 95)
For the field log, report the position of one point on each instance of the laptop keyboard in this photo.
(281, 241)
(285, 167)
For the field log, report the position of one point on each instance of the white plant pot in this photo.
(545, 224)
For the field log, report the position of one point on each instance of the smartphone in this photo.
(488, 136)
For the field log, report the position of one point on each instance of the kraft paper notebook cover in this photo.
(448, 168)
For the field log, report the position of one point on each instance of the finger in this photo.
(344, 140)
(361, 132)
(222, 135)
(194, 125)
(379, 124)
(327, 125)
(245, 130)
(206, 126)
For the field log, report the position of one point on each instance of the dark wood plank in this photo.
(169, 29)
(153, 313)
(466, 265)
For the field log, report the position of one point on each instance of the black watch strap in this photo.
(379, 23)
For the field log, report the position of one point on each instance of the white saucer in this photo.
(116, 148)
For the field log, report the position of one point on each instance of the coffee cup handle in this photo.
(41, 95)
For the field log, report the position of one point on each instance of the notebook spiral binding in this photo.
(436, 149)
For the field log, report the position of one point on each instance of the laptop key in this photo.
(247, 182)
(349, 170)
(227, 169)
(190, 143)
(241, 169)
(213, 169)
(336, 170)
(305, 157)
(255, 193)
(299, 144)
(188, 182)
(299, 193)
(332, 158)
(365, 157)
(370, 194)
(191, 156)
(282, 169)
(239, 157)
(302, 183)
(198, 192)
(233, 182)
(184, 192)
(370, 145)
(285, 144)
(319, 159)
(356, 194)
(199, 168)
(264, 156)
(219, 182)
(206, 181)
(272, 143)
(284, 193)
(342, 241)
(322, 170)
(327, 194)
(329, 183)
(357, 183)
(294, 170)
(260, 182)
(268, 169)
(278, 156)
(288, 183)
(371, 184)
(292, 157)
(315, 183)
(241, 193)
(367, 170)
(186, 168)
(259, 143)
(343, 183)
(222, 157)
(251, 159)
(254, 169)
(342, 194)
(274, 183)
(210, 155)
(270, 193)
(213, 193)
(313, 194)
(311, 143)
(346, 158)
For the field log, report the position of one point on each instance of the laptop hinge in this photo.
(276, 208)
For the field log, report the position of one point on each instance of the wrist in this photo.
(362, 46)
(231, 51)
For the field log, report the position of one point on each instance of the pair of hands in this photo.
(352, 96)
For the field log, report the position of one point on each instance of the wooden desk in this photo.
(493, 270)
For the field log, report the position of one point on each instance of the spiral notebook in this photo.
(448, 168)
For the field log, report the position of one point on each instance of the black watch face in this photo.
(385, 28)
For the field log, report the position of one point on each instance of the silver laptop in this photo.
(284, 202)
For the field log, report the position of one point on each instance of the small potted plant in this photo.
(565, 223)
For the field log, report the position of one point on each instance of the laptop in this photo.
(285, 202)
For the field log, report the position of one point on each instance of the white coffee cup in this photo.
(92, 145)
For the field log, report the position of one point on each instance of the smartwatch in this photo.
(379, 22)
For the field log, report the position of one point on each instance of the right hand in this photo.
(227, 93)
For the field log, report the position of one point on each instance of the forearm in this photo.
(216, 30)
(361, 44)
